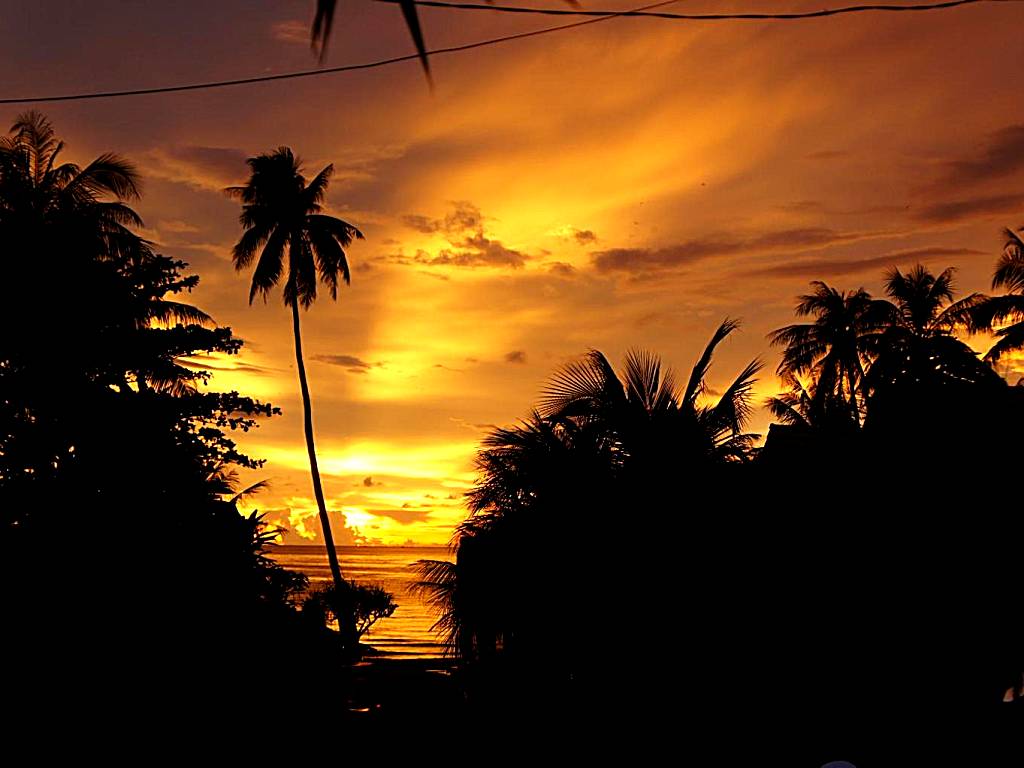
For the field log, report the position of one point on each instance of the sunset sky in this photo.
(630, 183)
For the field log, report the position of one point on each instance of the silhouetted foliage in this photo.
(835, 347)
(1004, 315)
(556, 624)
(913, 521)
(116, 463)
(355, 609)
(841, 592)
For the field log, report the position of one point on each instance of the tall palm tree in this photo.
(837, 346)
(1004, 315)
(286, 234)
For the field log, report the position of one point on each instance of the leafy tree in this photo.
(358, 606)
(116, 461)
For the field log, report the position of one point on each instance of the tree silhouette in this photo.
(117, 464)
(57, 204)
(803, 407)
(1004, 315)
(285, 231)
(837, 345)
(918, 349)
(645, 414)
(602, 443)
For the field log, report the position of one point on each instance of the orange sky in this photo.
(626, 184)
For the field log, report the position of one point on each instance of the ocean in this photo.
(407, 633)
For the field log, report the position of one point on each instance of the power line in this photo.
(699, 16)
(596, 17)
(324, 71)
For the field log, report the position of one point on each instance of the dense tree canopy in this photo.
(121, 546)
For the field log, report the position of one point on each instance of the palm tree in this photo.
(804, 407)
(43, 200)
(80, 219)
(600, 443)
(644, 412)
(285, 231)
(919, 347)
(838, 345)
(994, 311)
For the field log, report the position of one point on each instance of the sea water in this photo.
(407, 633)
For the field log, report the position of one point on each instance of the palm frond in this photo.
(270, 265)
(1009, 271)
(580, 387)
(251, 491)
(314, 192)
(165, 311)
(1011, 339)
(108, 174)
(695, 384)
(646, 384)
(734, 408)
(330, 259)
(340, 230)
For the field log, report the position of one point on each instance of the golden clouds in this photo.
(625, 184)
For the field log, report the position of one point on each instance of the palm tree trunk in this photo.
(318, 491)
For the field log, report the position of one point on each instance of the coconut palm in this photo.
(919, 347)
(1004, 315)
(808, 406)
(924, 301)
(48, 203)
(600, 443)
(287, 235)
(838, 345)
(645, 413)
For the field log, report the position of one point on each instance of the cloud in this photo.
(476, 251)
(975, 207)
(420, 223)
(350, 363)
(562, 269)
(469, 246)
(175, 226)
(291, 31)
(516, 357)
(211, 168)
(404, 516)
(464, 217)
(581, 236)
(236, 368)
(826, 267)
(482, 428)
(691, 251)
(1002, 156)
